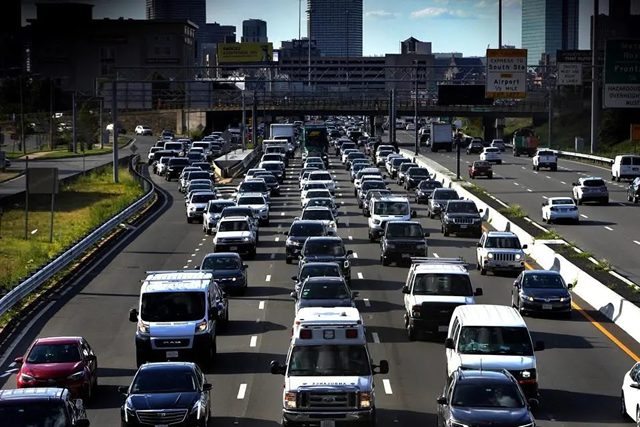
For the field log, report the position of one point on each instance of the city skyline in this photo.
(475, 21)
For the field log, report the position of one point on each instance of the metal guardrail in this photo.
(581, 156)
(19, 292)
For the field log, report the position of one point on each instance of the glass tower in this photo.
(549, 26)
(336, 26)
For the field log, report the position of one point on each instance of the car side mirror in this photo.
(414, 214)
(539, 346)
(405, 289)
(293, 295)
(294, 278)
(533, 404)
(207, 387)
(123, 390)
(382, 368)
(543, 204)
(480, 210)
(575, 184)
(479, 245)
(525, 246)
(276, 368)
(478, 292)
(427, 234)
(441, 400)
(133, 315)
(82, 422)
(197, 267)
(635, 385)
(448, 343)
(349, 252)
(286, 233)
(355, 294)
(516, 283)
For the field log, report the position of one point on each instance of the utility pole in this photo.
(499, 24)
(22, 139)
(415, 109)
(390, 115)
(116, 128)
(101, 124)
(595, 86)
(254, 119)
(309, 45)
(74, 122)
(550, 119)
(243, 127)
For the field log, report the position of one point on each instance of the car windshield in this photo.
(194, 156)
(562, 202)
(202, 198)
(329, 360)
(502, 243)
(178, 162)
(481, 164)
(306, 229)
(269, 179)
(54, 353)
(503, 340)
(543, 281)
(491, 150)
(319, 201)
(318, 193)
(26, 413)
(271, 157)
(238, 211)
(218, 207)
(370, 185)
(462, 208)
(198, 187)
(204, 166)
(356, 155)
(320, 290)
(486, 394)
(417, 172)
(347, 146)
(221, 263)
(312, 185)
(323, 176)
(384, 153)
(400, 160)
(593, 183)
(253, 187)
(429, 185)
(323, 270)
(380, 193)
(233, 226)
(272, 166)
(149, 381)
(395, 230)
(250, 200)
(317, 214)
(443, 284)
(172, 306)
(406, 166)
(323, 247)
(390, 208)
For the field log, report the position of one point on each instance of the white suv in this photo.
(385, 209)
(500, 251)
(143, 130)
(235, 234)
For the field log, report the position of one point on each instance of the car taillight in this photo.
(415, 311)
(305, 334)
(351, 333)
(574, 208)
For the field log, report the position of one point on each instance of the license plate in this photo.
(406, 256)
(172, 354)
(443, 329)
(233, 248)
(463, 226)
(547, 306)
(327, 423)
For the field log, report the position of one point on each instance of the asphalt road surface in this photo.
(580, 371)
(608, 232)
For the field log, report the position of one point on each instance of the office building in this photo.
(298, 49)
(11, 48)
(182, 10)
(216, 33)
(619, 24)
(413, 45)
(336, 26)
(254, 31)
(549, 26)
(133, 46)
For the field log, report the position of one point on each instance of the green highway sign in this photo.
(622, 74)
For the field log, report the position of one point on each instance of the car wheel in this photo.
(288, 260)
(483, 271)
(411, 333)
(383, 260)
(190, 220)
(623, 407)
(141, 359)
(445, 231)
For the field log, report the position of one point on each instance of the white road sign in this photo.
(569, 74)
(506, 73)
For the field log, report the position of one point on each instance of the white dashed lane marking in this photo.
(360, 276)
(242, 391)
(268, 278)
(367, 303)
(376, 338)
(435, 255)
(261, 305)
(515, 183)
(563, 183)
(529, 190)
(277, 239)
(350, 237)
(387, 386)
(254, 341)
(636, 242)
(608, 228)
(281, 213)
(355, 255)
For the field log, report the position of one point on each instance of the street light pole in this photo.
(415, 109)
(595, 100)
(22, 139)
(309, 45)
(499, 24)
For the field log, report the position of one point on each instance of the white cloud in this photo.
(380, 14)
(494, 3)
(438, 12)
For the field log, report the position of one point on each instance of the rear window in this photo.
(251, 200)
(254, 187)
(630, 160)
(202, 198)
(198, 175)
(307, 229)
(272, 167)
(593, 183)
(320, 177)
(179, 162)
(445, 195)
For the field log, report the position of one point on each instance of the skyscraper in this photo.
(549, 26)
(336, 26)
(254, 31)
(192, 10)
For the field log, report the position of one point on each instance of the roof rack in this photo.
(434, 260)
(173, 272)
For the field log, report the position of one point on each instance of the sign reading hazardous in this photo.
(506, 73)
(234, 53)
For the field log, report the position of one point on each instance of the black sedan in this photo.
(324, 292)
(228, 270)
(424, 190)
(167, 393)
(541, 291)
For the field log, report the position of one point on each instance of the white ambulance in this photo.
(328, 374)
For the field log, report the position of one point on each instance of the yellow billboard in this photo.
(234, 53)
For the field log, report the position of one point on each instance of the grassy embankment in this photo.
(79, 207)
(62, 151)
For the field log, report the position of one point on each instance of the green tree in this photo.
(87, 123)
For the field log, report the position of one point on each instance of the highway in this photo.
(581, 369)
(608, 232)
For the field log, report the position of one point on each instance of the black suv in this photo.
(175, 167)
(272, 182)
(414, 176)
(475, 147)
(41, 407)
(167, 393)
(298, 233)
(491, 398)
(401, 241)
(461, 217)
(424, 190)
(327, 249)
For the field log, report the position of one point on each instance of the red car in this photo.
(480, 168)
(65, 362)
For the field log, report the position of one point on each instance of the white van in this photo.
(625, 166)
(493, 337)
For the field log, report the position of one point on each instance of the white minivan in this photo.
(625, 166)
(493, 337)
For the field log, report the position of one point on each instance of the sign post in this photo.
(506, 73)
(622, 74)
(569, 74)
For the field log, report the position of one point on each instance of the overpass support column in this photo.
(254, 120)
(372, 125)
(500, 124)
(392, 116)
(488, 124)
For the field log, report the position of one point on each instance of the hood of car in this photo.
(184, 400)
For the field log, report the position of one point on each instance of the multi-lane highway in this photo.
(580, 371)
(609, 232)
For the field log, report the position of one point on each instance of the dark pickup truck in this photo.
(401, 241)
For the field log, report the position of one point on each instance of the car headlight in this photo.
(75, 377)
(198, 409)
(202, 326)
(290, 400)
(129, 411)
(528, 425)
(526, 297)
(143, 328)
(456, 424)
(365, 400)
(518, 256)
(27, 378)
(246, 239)
(565, 299)
(421, 246)
(192, 208)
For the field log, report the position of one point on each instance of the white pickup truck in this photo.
(545, 159)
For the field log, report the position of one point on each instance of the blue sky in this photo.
(466, 26)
